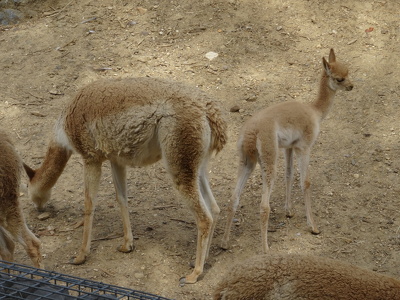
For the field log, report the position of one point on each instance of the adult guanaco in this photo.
(136, 122)
(13, 226)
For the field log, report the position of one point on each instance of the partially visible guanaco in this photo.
(12, 222)
(290, 125)
(275, 276)
(136, 122)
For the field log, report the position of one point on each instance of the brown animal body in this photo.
(303, 277)
(294, 127)
(12, 222)
(136, 122)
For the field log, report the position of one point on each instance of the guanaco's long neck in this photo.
(325, 97)
(53, 165)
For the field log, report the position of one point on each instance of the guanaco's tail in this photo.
(218, 127)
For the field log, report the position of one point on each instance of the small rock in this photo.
(251, 98)
(235, 108)
(37, 114)
(139, 275)
(44, 216)
(55, 92)
(313, 19)
(279, 28)
(211, 55)
(177, 17)
(141, 10)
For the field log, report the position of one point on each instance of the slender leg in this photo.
(18, 230)
(92, 173)
(119, 179)
(246, 167)
(304, 160)
(185, 160)
(32, 246)
(7, 246)
(265, 209)
(211, 203)
(289, 181)
(268, 154)
(187, 180)
(204, 220)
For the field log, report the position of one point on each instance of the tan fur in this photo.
(136, 122)
(293, 126)
(303, 277)
(12, 222)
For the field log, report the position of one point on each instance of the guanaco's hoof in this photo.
(290, 214)
(125, 249)
(315, 232)
(182, 281)
(76, 261)
(224, 246)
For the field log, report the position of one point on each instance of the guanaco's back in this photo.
(281, 276)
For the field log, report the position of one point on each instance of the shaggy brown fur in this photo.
(303, 277)
(12, 222)
(293, 126)
(136, 122)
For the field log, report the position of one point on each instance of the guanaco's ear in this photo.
(332, 56)
(327, 67)
(29, 171)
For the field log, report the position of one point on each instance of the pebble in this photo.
(235, 108)
(44, 216)
(251, 98)
(211, 55)
(139, 275)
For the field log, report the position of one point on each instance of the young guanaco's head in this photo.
(39, 198)
(337, 73)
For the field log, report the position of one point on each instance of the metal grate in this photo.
(24, 282)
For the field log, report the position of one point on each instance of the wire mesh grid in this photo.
(24, 282)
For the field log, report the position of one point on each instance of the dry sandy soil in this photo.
(268, 52)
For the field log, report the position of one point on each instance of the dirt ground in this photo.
(268, 52)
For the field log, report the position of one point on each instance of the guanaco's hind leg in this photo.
(267, 155)
(186, 163)
(303, 157)
(7, 246)
(205, 224)
(21, 233)
(210, 201)
(92, 173)
(32, 246)
(119, 180)
(246, 167)
(289, 181)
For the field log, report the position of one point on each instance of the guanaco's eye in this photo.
(339, 79)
